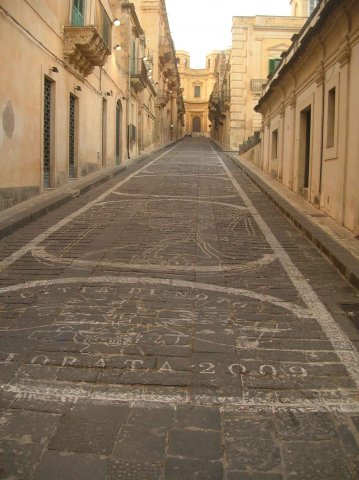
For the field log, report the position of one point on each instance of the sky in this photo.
(199, 26)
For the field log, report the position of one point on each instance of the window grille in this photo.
(47, 133)
(72, 136)
(118, 126)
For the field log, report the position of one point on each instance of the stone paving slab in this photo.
(173, 324)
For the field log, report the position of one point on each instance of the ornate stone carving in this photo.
(84, 48)
(162, 98)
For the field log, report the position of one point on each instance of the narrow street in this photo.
(172, 324)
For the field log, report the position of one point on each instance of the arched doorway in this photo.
(118, 132)
(196, 124)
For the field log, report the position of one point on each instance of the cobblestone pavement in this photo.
(173, 325)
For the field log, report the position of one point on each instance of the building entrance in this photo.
(196, 124)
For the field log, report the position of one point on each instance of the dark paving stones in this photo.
(204, 418)
(85, 435)
(27, 427)
(151, 416)
(253, 476)
(253, 453)
(125, 470)
(189, 469)
(201, 444)
(17, 460)
(136, 443)
(89, 429)
(316, 460)
(239, 425)
(308, 426)
(71, 466)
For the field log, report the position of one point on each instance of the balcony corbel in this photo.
(84, 48)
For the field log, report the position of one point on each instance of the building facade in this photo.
(80, 90)
(197, 86)
(220, 99)
(310, 112)
(257, 45)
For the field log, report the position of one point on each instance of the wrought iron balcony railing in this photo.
(138, 74)
(258, 84)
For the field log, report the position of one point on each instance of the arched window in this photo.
(196, 124)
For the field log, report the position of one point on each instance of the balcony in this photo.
(165, 50)
(138, 74)
(85, 48)
(162, 98)
(257, 85)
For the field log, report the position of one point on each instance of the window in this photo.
(72, 138)
(275, 144)
(197, 91)
(208, 63)
(133, 57)
(178, 61)
(47, 144)
(273, 64)
(311, 5)
(331, 118)
(78, 9)
(103, 23)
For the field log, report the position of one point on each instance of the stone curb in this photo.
(26, 212)
(341, 258)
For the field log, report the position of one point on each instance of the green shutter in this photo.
(273, 63)
(77, 13)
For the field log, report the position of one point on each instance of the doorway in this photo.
(104, 131)
(304, 148)
(196, 124)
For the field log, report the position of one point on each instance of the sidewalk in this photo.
(336, 242)
(26, 212)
